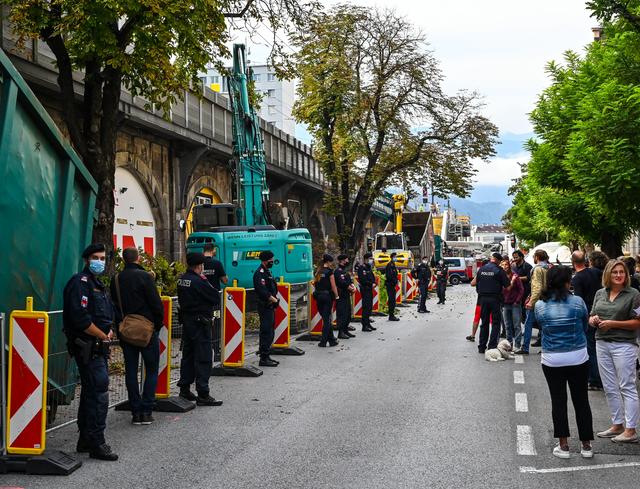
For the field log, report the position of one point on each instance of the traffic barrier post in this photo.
(356, 299)
(399, 296)
(282, 327)
(375, 310)
(233, 327)
(313, 316)
(25, 417)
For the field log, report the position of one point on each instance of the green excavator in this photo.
(241, 230)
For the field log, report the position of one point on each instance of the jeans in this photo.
(197, 358)
(489, 311)
(511, 318)
(94, 400)
(367, 305)
(150, 358)
(594, 373)
(325, 304)
(617, 363)
(391, 294)
(343, 312)
(557, 380)
(529, 323)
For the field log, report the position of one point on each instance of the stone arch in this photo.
(149, 213)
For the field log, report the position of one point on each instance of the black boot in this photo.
(267, 362)
(186, 393)
(207, 400)
(103, 452)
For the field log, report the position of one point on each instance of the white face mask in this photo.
(425, 261)
(370, 261)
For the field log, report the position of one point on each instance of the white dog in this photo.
(501, 353)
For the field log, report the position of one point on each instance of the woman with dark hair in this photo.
(325, 293)
(564, 319)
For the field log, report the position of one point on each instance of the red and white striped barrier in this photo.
(27, 381)
(357, 300)
(315, 320)
(233, 327)
(399, 289)
(432, 283)
(163, 389)
(376, 295)
(283, 317)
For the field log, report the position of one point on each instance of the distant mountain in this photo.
(481, 212)
(512, 144)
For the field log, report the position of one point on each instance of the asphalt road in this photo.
(412, 405)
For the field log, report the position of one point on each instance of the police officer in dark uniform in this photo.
(367, 280)
(424, 277)
(325, 293)
(391, 275)
(442, 275)
(489, 283)
(214, 271)
(345, 287)
(267, 291)
(88, 319)
(197, 299)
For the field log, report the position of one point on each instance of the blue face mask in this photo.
(96, 267)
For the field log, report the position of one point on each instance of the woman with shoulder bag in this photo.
(325, 293)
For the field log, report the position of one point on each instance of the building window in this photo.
(271, 77)
(256, 77)
(270, 93)
(272, 110)
(215, 79)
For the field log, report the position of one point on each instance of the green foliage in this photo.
(165, 273)
(370, 93)
(582, 181)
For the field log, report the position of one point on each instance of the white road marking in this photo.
(526, 445)
(522, 403)
(518, 377)
(519, 359)
(533, 470)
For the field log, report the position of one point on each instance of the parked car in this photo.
(460, 269)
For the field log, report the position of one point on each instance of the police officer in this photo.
(267, 292)
(214, 271)
(88, 318)
(391, 276)
(345, 287)
(366, 279)
(489, 282)
(424, 277)
(197, 299)
(325, 292)
(442, 275)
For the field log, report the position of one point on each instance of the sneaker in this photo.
(537, 343)
(393, 318)
(322, 345)
(372, 328)
(471, 338)
(521, 352)
(586, 452)
(147, 419)
(187, 394)
(343, 336)
(333, 343)
(136, 419)
(351, 328)
(267, 362)
(103, 452)
(560, 453)
(350, 335)
(207, 401)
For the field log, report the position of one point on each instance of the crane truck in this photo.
(388, 242)
(242, 230)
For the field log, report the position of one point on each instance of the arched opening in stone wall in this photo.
(205, 195)
(135, 224)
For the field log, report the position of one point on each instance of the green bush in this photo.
(166, 273)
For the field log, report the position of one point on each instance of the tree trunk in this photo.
(611, 244)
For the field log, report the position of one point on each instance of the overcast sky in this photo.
(499, 48)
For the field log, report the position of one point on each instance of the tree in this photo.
(584, 162)
(370, 93)
(154, 48)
